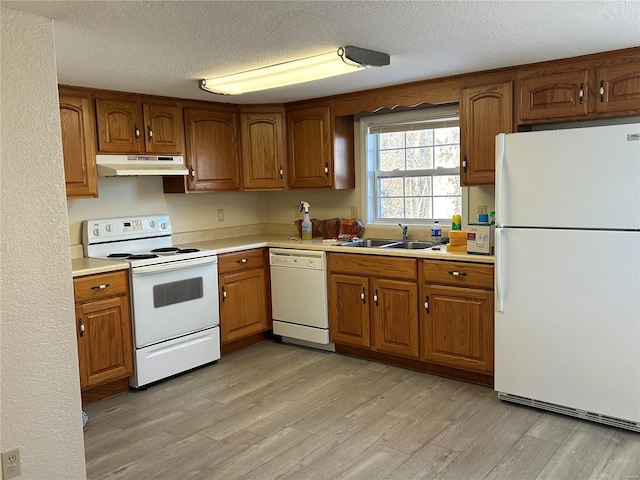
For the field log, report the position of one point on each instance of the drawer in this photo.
(104, 285)
(458, 273)
(373, 265)
(239, 261)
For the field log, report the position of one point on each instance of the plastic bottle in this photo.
(436, 232)
(456, 222)
(306, 221)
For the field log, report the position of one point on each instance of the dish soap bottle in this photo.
(306, 222)
(436, 233)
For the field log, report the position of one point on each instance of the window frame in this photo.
(368, 157)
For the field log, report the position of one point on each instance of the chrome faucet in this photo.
(405, 231)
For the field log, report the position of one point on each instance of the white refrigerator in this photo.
(567, 293)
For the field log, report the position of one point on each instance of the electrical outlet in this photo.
(354, 212)
(482, 209)
(220, 215)
(10, 463)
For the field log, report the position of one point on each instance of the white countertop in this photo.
(88, 266)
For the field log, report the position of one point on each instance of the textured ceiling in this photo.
(164, 47)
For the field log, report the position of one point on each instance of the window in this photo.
(413, 166)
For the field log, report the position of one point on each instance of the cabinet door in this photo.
(163, 128)
(105, 347)
(243, 304)
(309, 148)
(458, 327)
(395, 317)
(554, 96)
(349, 310)
(618, 89)
(484, 112)
(212, 153)
(119, 126)
(78, 144)
(263, 151)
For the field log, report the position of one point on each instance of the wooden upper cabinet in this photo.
(119, 126)
(557, 95)
(212, 151)
(484, 112)
(319, 148)
(577, 90)
(163, 128)
(129, 126)
(618, 89)
(78, 143)
(309, 147)
(263, 149)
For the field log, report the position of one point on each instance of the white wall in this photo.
(124, 196)
(40, 391)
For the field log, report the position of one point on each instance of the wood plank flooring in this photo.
(275, 411)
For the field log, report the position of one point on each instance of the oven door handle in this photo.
(170, 266)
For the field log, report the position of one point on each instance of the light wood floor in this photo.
(277, 411)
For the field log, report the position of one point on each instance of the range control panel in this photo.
(125, 228)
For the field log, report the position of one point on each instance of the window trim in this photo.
(368, 194)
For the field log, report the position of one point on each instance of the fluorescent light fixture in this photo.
(343, 60)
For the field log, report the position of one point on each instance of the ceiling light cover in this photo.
(343, 60)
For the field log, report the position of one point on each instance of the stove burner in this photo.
(188, 250)
(118, 255)
(165, 250)
(142, 256)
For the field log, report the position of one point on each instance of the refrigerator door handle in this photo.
(498, 271)
(499, 175)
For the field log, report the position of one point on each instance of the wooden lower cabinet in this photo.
(244, 293)
(103, 326)
(394, 316)
(368, 310)
(349, 310)
(457, 315)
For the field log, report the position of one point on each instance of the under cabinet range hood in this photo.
(133, 165)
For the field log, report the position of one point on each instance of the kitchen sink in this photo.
(389, 243)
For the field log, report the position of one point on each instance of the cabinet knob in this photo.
(458, 274)
(192, 172)
(281, 172)
(100, 287)
(601, 91)
(326, 169)
(375, 297)
(224, 294)
(150, 134)
(426, 303)
(363, 296)
(242, 260)
(581, 93)
(80, 327)
(136, 132)
(464, 164)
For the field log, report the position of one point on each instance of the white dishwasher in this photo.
(299, 297)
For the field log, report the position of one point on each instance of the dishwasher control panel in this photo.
(309, 260)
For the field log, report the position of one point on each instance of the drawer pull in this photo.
(457, 274)
(363, 296)
(426, 303)
(81, 327)
(242, 260)
(100, 287)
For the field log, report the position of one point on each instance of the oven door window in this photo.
(177, 292)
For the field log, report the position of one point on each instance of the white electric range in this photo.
(174, 294)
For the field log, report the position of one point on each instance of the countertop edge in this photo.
(88, 266)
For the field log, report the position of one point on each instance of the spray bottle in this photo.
(306, 222)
